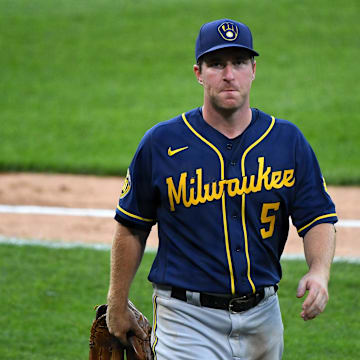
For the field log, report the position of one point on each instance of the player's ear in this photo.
(197, 72)
(254, 70)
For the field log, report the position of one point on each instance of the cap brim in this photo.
(222, 46)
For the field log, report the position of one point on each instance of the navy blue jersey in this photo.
(223, 205)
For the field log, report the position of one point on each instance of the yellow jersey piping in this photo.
(133, 215)
(318, 218)
(154, 327)
(261, 138)
(223, 203)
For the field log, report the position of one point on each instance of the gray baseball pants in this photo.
(188, 331)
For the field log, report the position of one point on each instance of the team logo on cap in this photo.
(228, 31)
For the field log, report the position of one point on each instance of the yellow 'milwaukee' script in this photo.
(214, 191)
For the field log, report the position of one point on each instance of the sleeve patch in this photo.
(127, 185)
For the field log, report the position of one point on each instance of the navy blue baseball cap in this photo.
(221, 34)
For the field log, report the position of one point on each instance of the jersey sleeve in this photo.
(312, 204)
(137, 203)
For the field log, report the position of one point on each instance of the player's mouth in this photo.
(229, 90)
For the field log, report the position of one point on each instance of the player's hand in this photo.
(317, 297)
(122, 324)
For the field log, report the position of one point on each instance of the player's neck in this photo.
(229, 123)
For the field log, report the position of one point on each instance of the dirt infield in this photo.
(102, 193)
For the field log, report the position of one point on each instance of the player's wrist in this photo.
(117, 301)
(319, 270)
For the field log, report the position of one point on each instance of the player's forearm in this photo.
(319, 248)
(126, 254)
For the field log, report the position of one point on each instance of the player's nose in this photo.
(228, 72)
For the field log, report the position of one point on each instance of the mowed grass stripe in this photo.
(104, 247)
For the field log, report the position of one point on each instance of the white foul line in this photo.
(51, 210)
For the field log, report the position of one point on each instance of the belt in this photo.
(232, 303)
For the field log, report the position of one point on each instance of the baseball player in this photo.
(221, 182)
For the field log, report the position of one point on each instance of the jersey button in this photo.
(229, 146)
(238, 249)
(233, 163)
(234, 216)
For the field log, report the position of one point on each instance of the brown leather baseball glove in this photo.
(104, 346)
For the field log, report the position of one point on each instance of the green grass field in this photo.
(82, 81)
(47, 298)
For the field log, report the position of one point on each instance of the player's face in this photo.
(226, 76)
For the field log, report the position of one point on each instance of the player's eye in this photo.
(240, 61)
(214, 63)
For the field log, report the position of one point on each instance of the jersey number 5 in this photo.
(268, 219)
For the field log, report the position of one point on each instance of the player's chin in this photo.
(230, 104)
(231, 100)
